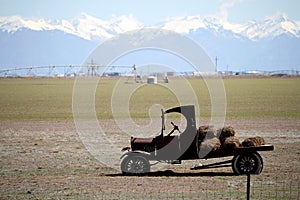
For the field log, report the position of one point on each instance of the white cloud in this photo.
(224, 8)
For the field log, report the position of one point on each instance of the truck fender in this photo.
(128, 153)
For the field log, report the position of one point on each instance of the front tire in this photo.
(247, 164)
(135, 165)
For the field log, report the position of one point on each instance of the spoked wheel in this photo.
(135, 165)
(247, 164)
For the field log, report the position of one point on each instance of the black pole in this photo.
(216, 67)
(248, 186)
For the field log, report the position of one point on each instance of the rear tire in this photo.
(135, 165)
(247, 164)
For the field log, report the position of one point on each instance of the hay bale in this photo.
(231, 142)
(225, 132)
(211, 144)
(205, 131)
(207, 140)
(253, 142)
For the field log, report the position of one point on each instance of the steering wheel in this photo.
(175, 127)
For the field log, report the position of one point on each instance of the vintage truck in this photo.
(173, 149)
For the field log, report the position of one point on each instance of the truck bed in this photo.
(239, 150)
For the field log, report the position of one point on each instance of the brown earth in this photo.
(47, 160)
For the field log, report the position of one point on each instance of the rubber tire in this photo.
(244, 164)
(135, 165)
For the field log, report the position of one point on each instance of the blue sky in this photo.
(151, 12)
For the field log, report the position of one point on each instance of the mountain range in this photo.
(269, 44)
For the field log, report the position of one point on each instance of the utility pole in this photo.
(91, 68)
(216, 65)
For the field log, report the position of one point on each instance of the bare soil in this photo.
(47, 160)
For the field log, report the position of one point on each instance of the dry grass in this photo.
(46, 160)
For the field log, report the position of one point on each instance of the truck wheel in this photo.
(247, 164)
(135, 165)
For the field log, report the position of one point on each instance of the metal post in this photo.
(216, 67)
(248, 186)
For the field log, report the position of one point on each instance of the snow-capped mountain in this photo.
(84, 26)
(91, 28)
(270, 28)
(272, 43)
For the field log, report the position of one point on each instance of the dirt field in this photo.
(47, 160)
(42, 156)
